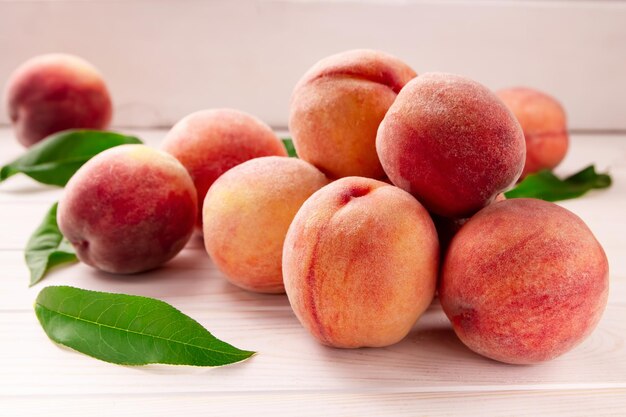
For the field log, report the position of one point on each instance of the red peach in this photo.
(210, 142)
(544, 124)
(524, 281)
(55, 92)
(337, 106)
(451, 143)
(360, 263)
(128, 209)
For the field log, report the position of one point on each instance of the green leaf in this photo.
(47, 248)
(547, 186)
(291, 150)
(128, 329)
(55, 159)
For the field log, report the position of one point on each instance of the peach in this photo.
(55, 92)
(524, 281)
(451, 143)
(128, 209)
(544, 124)
(210, 142)
(337, 106)
(247, 212)
(360, 263)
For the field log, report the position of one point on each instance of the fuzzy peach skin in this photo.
(451, 143)
(524, 281)
(360, 263)
(544, 124)
(337, 106)
(247, 212)
(129, 209)
(210, 142)
(55, 92)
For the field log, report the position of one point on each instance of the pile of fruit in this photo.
(396, 197)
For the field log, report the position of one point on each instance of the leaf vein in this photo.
(186, 344)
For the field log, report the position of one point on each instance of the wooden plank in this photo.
(429, 359)
(554, 403)
(428, 373)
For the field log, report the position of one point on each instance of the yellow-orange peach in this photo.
(544, 124)
(128, 209)
(524, 281)
(210, 142)
(451, 143)
(55, 92)
(360, 263)
(246, 214)
(337, 106)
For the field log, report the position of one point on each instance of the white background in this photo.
(164, 59)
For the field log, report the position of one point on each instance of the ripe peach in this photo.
(524, 281)
(210, 142)
(337, 106)
(247, 212)
(360, 263)
(55, 92)
(128, 209)
(451, 143)
(544, 124)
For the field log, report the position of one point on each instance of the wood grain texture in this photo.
(429, 359)
(554, 403)
(429, 373)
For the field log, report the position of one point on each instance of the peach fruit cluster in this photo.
(347, 230)
(522, 281)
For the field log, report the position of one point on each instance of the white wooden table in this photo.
(429, 373)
